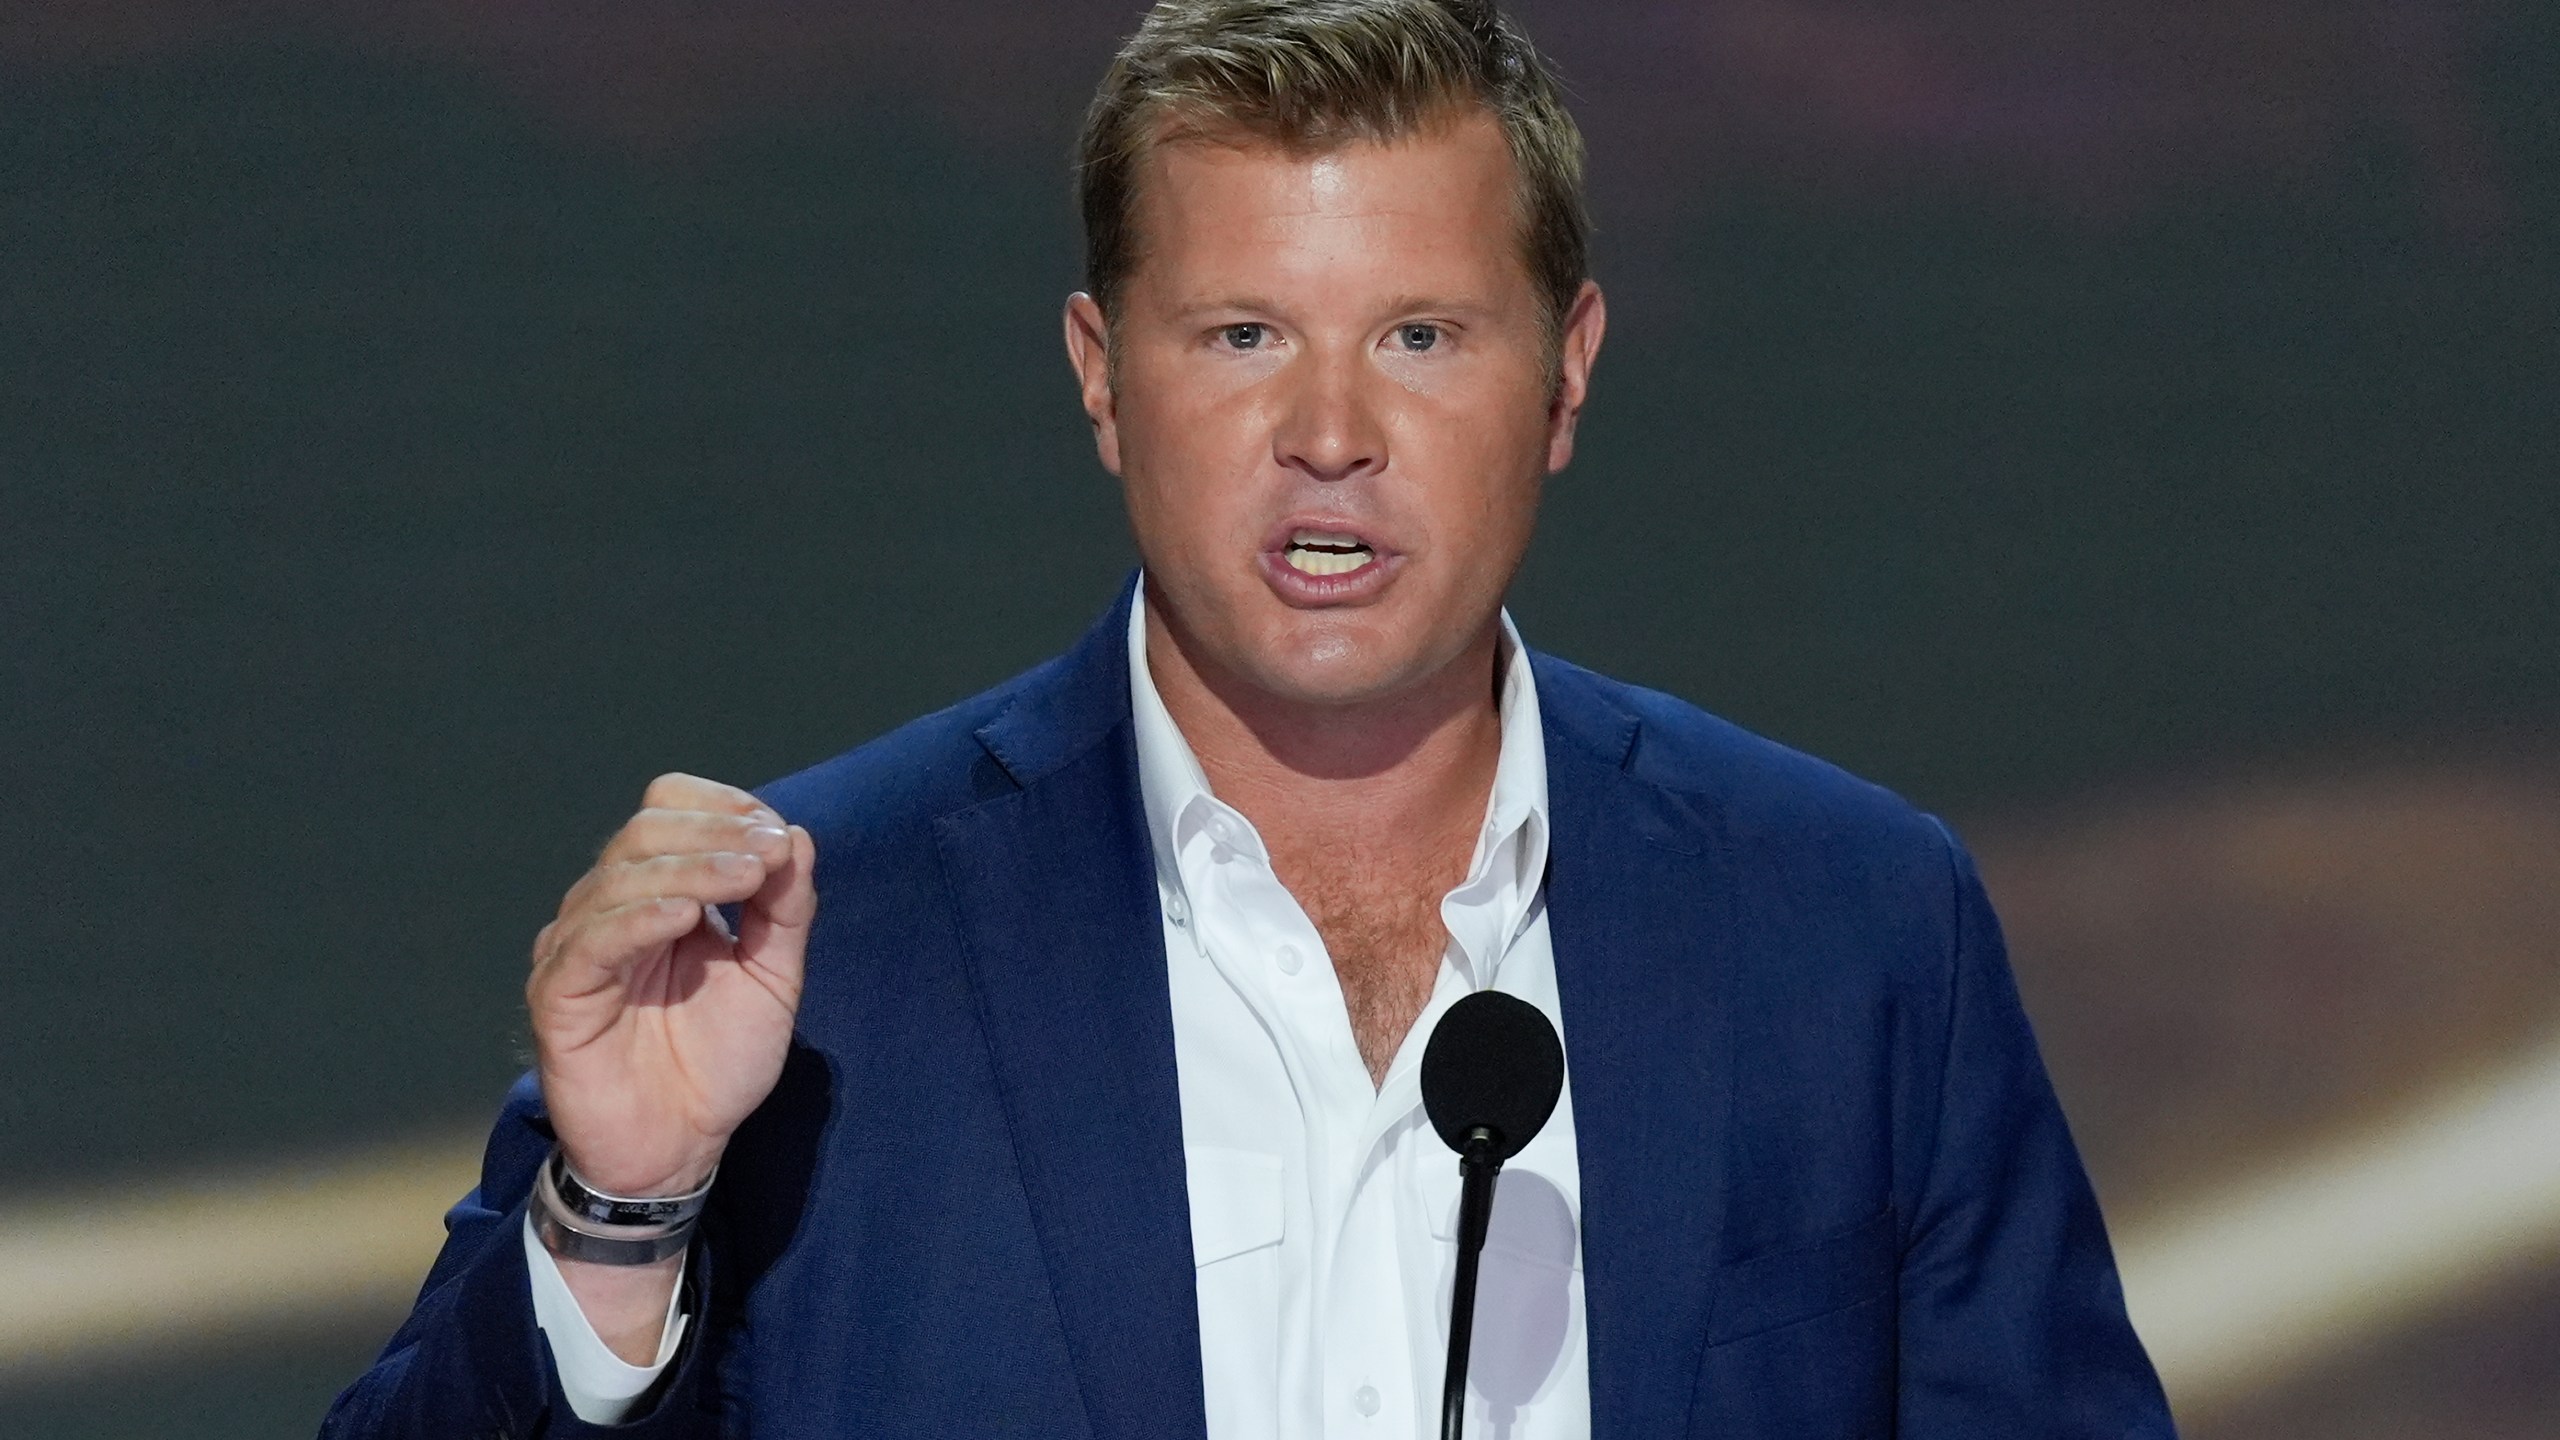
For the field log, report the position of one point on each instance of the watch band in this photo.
(575, 1221)
(585, 1202)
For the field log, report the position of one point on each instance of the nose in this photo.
(1329, 430)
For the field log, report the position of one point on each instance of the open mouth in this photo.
(1320, 552)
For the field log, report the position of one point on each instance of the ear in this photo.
(1089, 351)
(1578, 349)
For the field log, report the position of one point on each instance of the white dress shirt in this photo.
(1323, 1207)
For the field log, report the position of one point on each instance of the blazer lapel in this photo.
(1636, 904)
(1065, 944)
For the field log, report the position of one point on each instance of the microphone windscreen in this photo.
(1495, 1062)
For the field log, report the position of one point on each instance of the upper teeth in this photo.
(1322, 552)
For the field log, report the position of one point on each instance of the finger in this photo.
(597, 948)
(773, 926)
(718, 877)
(618, 880)
(655, 832)
(679, 791)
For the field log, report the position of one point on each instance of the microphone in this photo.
(1490, 1078)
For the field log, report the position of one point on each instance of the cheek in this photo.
(1196, 442)
(1508, 515)
(1485, 404)
(1165, 514)
(1485, 470)
(1186, 508)
(1185, 401)
(1159, 458)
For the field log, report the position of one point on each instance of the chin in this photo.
(1321, 664)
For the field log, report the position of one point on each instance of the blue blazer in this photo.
(1826, 1189)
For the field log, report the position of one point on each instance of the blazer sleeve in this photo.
(469, 1363)
(2012, 1316)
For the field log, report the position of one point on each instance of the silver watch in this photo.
(575, 1221)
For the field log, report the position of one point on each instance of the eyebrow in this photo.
(1437, 304)
(1253, 304)
(1407, 304)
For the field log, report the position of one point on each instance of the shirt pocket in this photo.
(1776, 1288)
(1532, 1222)
(1236, 1228)
(1235, 1202)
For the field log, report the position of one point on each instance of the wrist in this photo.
(577, 1221)
(650, 1182)
(628, 1307)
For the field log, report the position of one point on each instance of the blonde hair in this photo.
(1313, 74)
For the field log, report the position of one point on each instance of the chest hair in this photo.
(1380, 920)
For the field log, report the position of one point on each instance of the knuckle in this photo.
(566, 940)
(632, 837)
(672, 876)
(657, 831)
(637, 915)
(620, 882)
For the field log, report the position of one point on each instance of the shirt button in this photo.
(1289, 959)
(1222, 829)
(1176, 911)
(1365, 1399)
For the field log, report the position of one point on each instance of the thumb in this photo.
(773, 924)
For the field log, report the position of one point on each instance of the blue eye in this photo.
(1248, 336)
(1418, 337)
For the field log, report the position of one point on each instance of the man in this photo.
(1051, 1069)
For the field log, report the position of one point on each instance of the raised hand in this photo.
(656, 1030)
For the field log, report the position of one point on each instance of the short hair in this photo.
(1314, 74)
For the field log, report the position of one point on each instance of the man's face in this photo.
(1333, 406)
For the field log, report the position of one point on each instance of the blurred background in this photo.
(2127, 429)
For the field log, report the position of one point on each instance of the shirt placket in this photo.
(1357, 1139)
(1257, 934)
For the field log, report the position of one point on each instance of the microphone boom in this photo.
(1491, 1076)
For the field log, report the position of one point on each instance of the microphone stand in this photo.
(1479, 1165)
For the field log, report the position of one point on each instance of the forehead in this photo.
(1224, 208)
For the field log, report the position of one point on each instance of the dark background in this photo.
(419, 428)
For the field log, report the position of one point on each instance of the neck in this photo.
(1418, 763)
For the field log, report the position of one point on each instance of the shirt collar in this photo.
(1178, 800)
(1169, 776)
